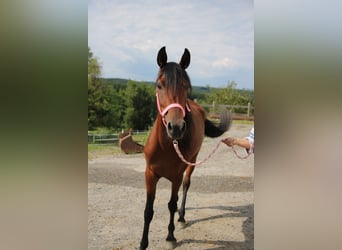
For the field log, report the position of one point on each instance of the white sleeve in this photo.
(250, 138)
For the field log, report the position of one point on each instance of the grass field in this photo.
(98, 150)
(243, 122)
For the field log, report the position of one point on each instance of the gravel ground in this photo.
(219, 211)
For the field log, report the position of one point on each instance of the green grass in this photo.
(140, 138)
(97, 150)
(99, 147)
(103, 130)
(243, 122)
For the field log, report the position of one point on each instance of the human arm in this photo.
(242, 142)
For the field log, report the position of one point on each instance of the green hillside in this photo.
(198, 92)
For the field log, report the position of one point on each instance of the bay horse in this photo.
(179, 119)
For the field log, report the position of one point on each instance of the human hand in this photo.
(229, 141)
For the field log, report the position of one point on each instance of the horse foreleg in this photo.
(151, 183)
(173, 208)
(186, 185)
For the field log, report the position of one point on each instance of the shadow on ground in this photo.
(201, 184)
(230, 211)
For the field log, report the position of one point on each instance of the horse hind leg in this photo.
(186, 185)
(151, 183)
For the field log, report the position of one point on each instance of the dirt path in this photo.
(219, 211)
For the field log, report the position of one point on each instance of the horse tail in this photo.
(211, 130)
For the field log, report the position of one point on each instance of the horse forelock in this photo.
(176, 78)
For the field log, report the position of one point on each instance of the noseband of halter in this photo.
(172, 105)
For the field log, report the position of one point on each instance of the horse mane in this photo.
(175, 74)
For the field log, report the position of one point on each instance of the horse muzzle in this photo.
(176, 130)
(176, 127)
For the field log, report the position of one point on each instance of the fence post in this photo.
(249, 109)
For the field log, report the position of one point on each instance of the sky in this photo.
(126, 35)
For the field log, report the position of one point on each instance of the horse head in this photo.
(172, 89)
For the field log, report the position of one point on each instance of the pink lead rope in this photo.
(250, 151)
(180, 155)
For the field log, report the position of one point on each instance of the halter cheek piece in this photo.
(172, 105)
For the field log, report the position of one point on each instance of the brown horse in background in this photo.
(127, 145)
(179, 119)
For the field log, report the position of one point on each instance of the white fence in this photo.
(248, 115)
(108, 138)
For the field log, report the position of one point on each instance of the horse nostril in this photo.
(169, 126)
(183, 128)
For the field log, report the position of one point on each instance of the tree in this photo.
(112, 106)
(105, 105)
(140, 105)
(94, 90)
(94, 70)
(114, 110)
(230, 96)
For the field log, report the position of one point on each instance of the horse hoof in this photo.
(171, 244)
(182, 224)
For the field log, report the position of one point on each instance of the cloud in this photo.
(224, 63)
(127, 35)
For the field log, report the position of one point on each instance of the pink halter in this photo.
(172, 105)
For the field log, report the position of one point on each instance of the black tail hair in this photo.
(225, 121)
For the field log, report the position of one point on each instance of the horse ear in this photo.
(162, 57)
(185, 61)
